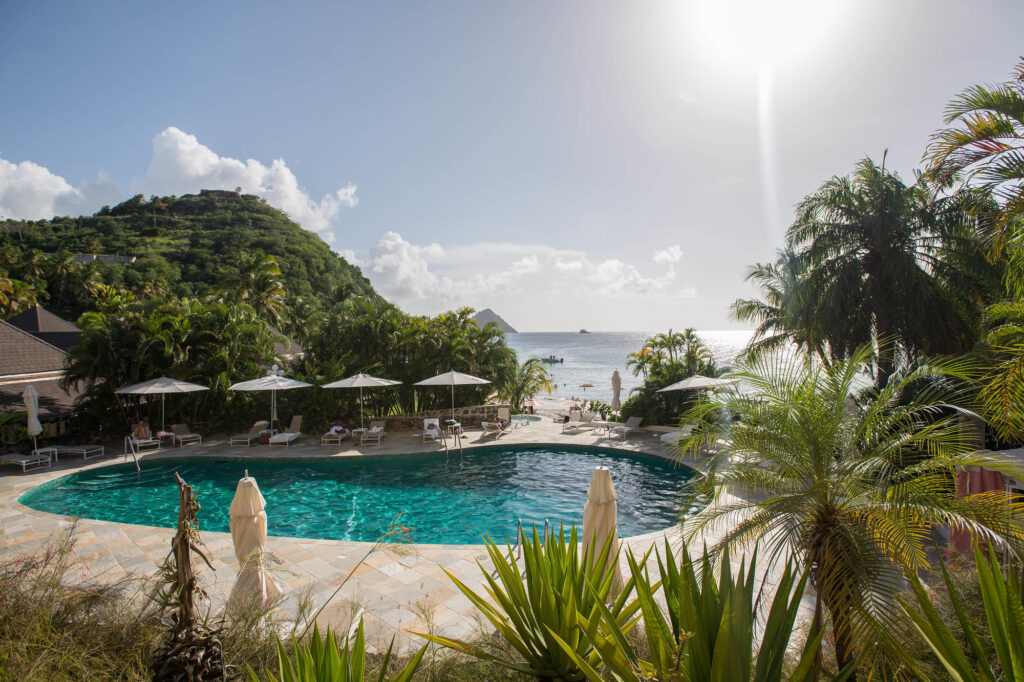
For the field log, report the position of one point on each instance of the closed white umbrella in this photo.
(31, 398)
(452, 379)
(272, 382)
(163, 386)
(698, 382)
(616, 389)
(600, 520)
(361, 381)
(249, 535)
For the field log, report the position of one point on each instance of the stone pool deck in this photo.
(398, 588)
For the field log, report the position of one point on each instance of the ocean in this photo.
(591, 358)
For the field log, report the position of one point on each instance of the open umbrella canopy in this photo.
(271, 382)
(698, 382)
(161, 386)
(452, 379)
(361, 381)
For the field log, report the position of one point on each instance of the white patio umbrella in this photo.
(273, 382)
(31, 398)
(361, 381)
(600, 519)
(249, 534)
(452, 379)
(163, 386)
(616, 389)
(697, 382)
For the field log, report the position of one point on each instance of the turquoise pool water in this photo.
(453, 500)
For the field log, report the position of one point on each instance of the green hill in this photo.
(182, 242)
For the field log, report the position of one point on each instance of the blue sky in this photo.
(609, 165)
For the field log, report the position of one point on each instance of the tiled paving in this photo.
(398, 588)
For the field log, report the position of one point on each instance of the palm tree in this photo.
(521, 380)
(849, 485)
(870, 245)
(984, 144)
(255, 281)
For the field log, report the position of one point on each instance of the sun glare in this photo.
(765, 34)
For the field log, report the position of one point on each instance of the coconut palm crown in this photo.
(848, 480)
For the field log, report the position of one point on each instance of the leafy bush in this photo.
(538, 610)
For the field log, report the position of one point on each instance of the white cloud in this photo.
(29, 191)
(669, 256)
(429, 278)
(181, 165)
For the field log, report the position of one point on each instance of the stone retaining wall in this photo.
(470, 417)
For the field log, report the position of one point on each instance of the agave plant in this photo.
(539, 610)
(1004, 608)
(327, 660)
(706, 631)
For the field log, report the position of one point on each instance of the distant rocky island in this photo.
(487, 315)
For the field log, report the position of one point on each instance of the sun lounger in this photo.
(631, 425)
(334, 438)
(374, 433)
(253, 436)
(86, 451)
(133, 444)
(494, 429)
(289, 435)
(182, 436)
(579, 421)
(26, 462)
(431, 429)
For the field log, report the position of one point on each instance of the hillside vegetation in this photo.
(183, 243)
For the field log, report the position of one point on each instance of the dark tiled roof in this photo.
(54, 402)
(23, 353)
(44, 325)
(39, 319)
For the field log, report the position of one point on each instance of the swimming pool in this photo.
(443, 499)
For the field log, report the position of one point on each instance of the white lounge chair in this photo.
(374, 433)
(133, 444)
(248, 439)
(26, 462)
(86, 451)
(431, 429)
(494, 429)
(579, 421)
(673, 437)
(335, 438)
(290, 434)
(183, 435)
(631, 425)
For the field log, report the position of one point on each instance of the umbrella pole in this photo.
(361, 424)
(163, 417)
(453, 402)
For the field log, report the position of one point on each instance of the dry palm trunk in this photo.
(193, 653)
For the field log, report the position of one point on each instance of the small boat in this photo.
(584, 331)
(552, 359)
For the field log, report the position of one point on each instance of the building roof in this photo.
(39, 319)
(23, 353)
(287, 349)
(44, 325)
(54, 402)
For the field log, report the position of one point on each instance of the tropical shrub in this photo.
(665, 359)
(328, 660)
(706, 630)
(1002, 591)
(850, 484)
(538, 610)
